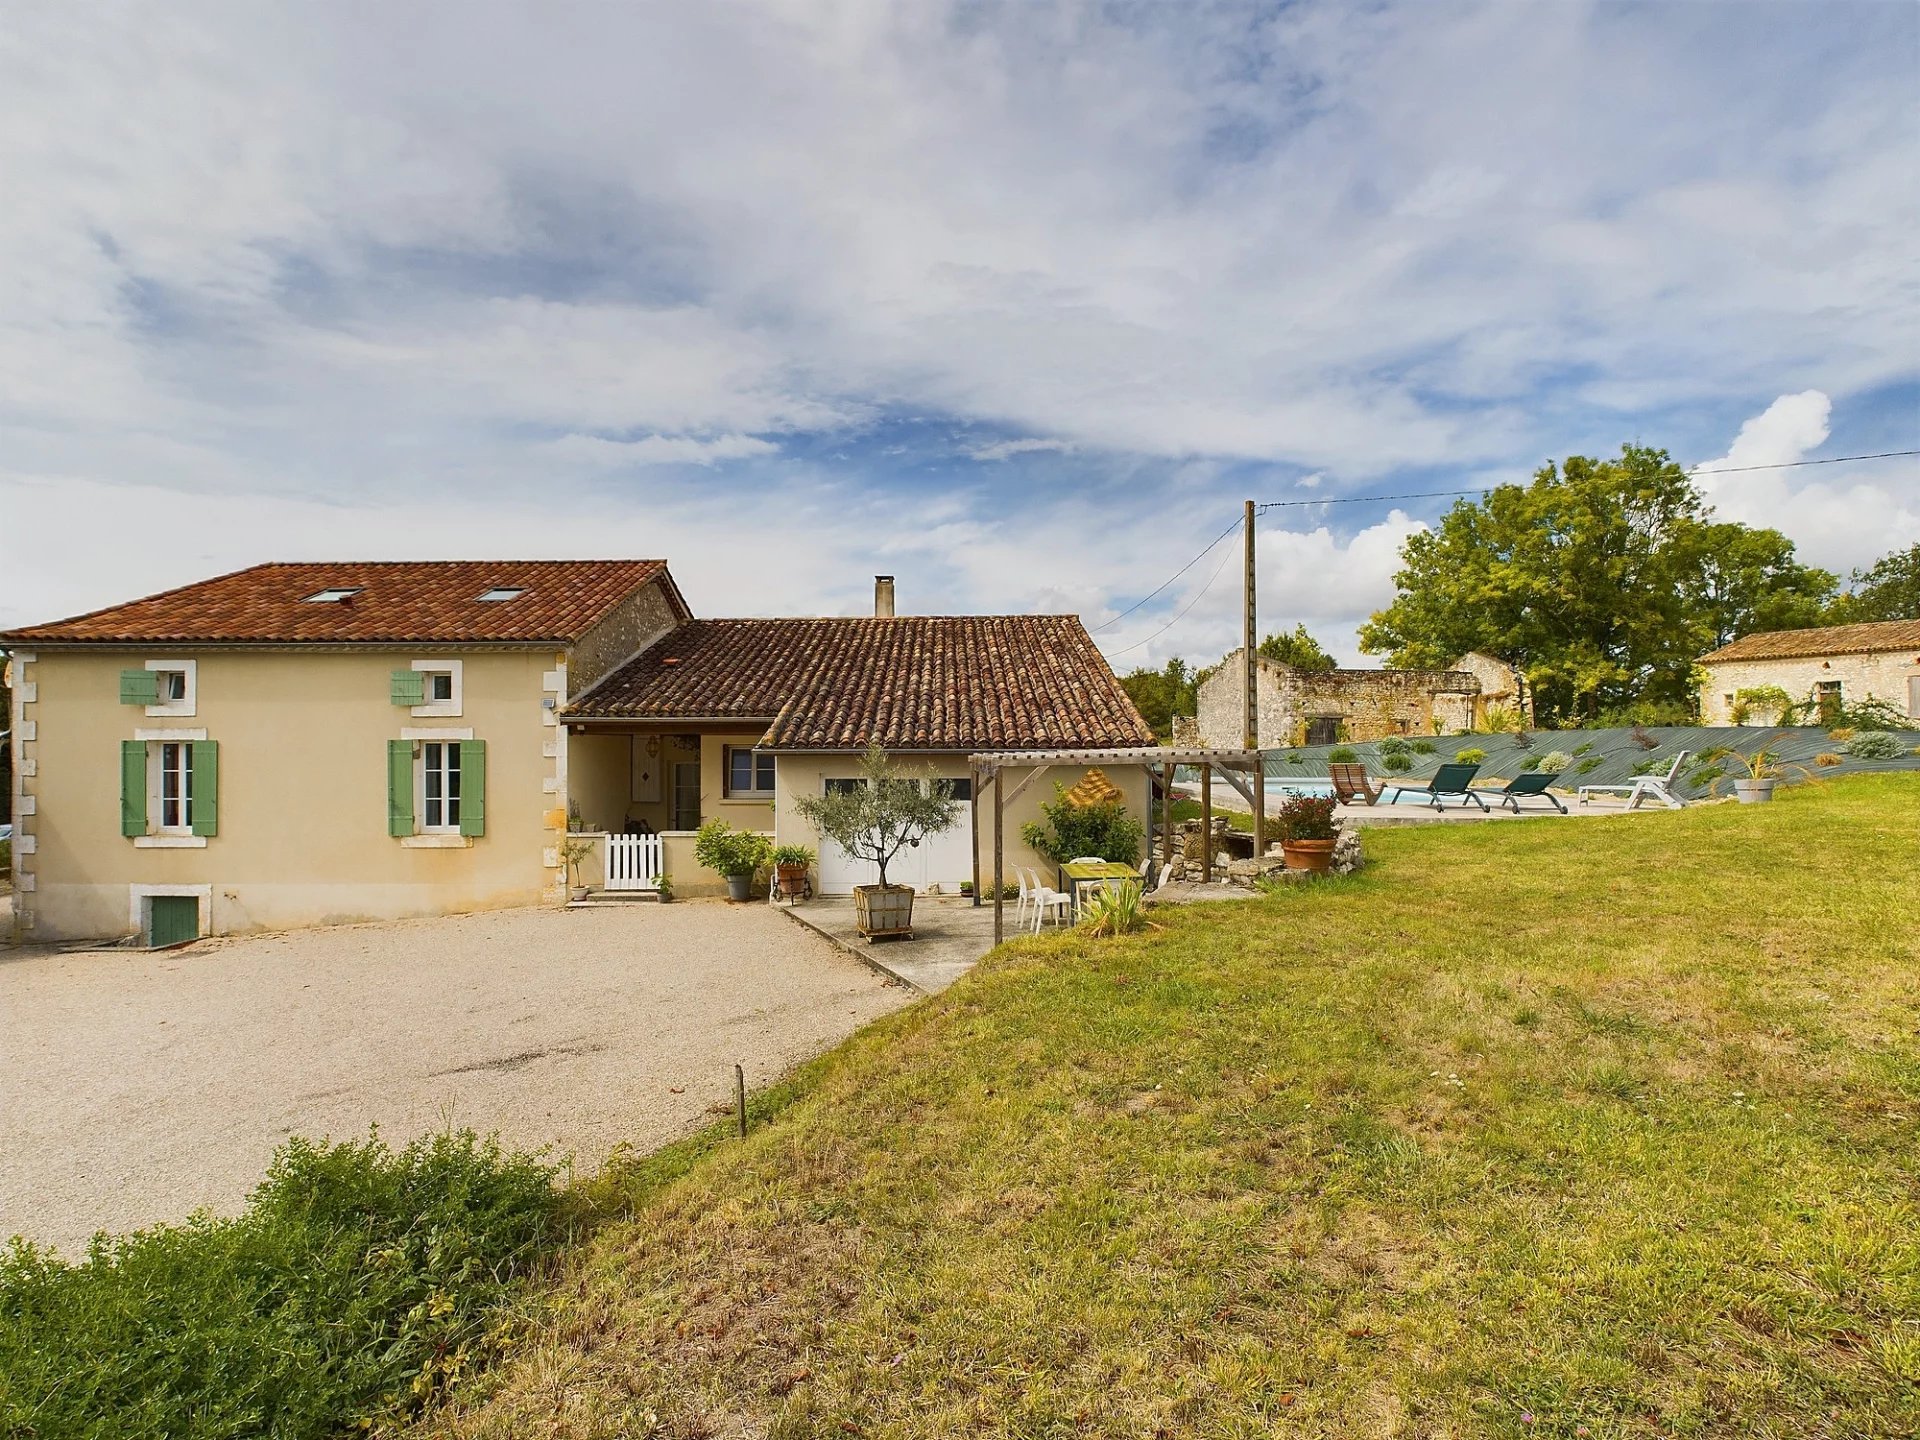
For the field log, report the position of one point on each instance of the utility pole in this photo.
(1250, 719)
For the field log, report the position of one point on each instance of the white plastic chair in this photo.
(1026, 897)
(1644, 787)
(1046, 901)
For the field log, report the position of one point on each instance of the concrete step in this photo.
(601, 898)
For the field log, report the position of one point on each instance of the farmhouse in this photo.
(1820, 669)
(299, 744)
(1319, 707)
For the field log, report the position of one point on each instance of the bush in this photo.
(1423, 747)
(1555, 761)
(1828, 759)
(1342, 755)
(1583, 747)
(1307, 817)
(1769, 701)
(1472, 755)
(1532, 762)
(1069, 830)
(1591, 763)
(1395, 745)
(793, 855)
(1875, 745)
(1651, 766)
(1642, 712)
(357, 1284)
(1398, 761)
(1114, 910)
(730, 852)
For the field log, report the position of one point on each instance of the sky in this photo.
(1015, 302)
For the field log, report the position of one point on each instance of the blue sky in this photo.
(1017, 302)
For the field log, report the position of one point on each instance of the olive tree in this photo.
(884, 814)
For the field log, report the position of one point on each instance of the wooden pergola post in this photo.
(973, 827)
(1166, 818)
(1206, 823)
(1259, 798)
(999, 859)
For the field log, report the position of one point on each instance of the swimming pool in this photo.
(1280, 789)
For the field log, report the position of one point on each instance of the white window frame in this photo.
(156, 788)
(756, 792)
(431, 708)
(189, 701)
(420, 823)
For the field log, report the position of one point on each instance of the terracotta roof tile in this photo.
(397, 601)
(1826, 640)
(915, 682)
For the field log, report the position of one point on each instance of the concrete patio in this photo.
(950, 934)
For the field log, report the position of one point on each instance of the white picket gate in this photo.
(633, 862)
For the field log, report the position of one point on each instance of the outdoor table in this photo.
(1073, 876)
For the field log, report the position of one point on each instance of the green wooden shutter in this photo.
(139, 687)
(399, 787)
(133, 787)
(409, 687)
(206, 787)
(473, 787)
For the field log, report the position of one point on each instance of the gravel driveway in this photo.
(139, 1087)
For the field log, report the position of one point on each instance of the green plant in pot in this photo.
(735, 854)
(1308, 832)
(573, 850)
(790, 866)
(874, 820)
(1764, 771)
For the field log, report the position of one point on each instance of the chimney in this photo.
(883, 597)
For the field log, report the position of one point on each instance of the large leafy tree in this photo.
(1887, 590)
(1602, 580)
(1159, 695)
(1298, 649)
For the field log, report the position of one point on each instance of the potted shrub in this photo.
(790, 866)
(573, 850)
(876, 821)
(736, 854)
(1307, 832)
(1764, 771)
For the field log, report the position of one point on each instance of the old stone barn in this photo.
(1320, 707)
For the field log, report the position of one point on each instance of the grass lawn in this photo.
(1601, 1129)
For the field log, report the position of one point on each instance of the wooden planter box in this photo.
(883, 910)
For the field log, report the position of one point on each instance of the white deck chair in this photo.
(1046, 901)
(1644, 787)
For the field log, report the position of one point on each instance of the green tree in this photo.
(1159, 695)
(1887, 590)
(1299, 650)
(888, 810)
(1602, 580)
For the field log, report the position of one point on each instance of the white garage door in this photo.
(944, 860)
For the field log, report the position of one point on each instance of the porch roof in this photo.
(912, 682)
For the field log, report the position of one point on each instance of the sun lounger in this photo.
(1351, 785)
(1532, 785)
(1450, 781)
(1644, 787)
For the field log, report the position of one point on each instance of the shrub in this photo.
(1105, 830)
(1875, 745)
(1591, 763)
(356, 1286)
(1398, 761)
(1472, 755)
(1395, 745)
(1649, 766)
(1643, 712)
(730, 852)
(1307, 817)
(1342, 755)
(1840, 732)
(1115, 910)
(1532, 762)
(1583, 747)
(1555, 761)
(1706, 774)
(1422, 747)
(1769, 700)
(795, 855)
(1828, 759)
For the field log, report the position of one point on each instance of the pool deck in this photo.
(1225, 797)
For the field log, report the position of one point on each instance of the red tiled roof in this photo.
(1859, 639)
(404, 601)
(913, 682)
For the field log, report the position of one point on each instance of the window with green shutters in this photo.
(399, 787)
(409, 687)
(206, 787)
(133, 787)
(436, 787)
(139, 687)
(184, 774)
(473, 787)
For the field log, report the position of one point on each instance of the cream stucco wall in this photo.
(1887, 675)
(302, 790)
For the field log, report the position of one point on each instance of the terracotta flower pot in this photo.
(1314, 855)
(793, 881)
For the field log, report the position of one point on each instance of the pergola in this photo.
(1239, 768)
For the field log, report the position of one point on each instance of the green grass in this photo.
(1236, 819)
(358, 1284)
(1601, 1128)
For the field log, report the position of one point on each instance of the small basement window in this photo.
(333, 594)
(503, 592)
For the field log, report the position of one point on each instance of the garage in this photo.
(944, 860)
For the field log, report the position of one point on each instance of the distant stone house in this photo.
(1827, 666)
(1320, 707)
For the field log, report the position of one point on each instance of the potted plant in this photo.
(665, 887)
(1764, 771)
(875, 820)
(1307, 832)
(575, 848)
(790, 866)
(736, 854)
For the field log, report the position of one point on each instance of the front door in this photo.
(686, 795)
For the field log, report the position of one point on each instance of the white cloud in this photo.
(1007, 449)
(661, 449)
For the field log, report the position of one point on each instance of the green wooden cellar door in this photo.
(174, 918)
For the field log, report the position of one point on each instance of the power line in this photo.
(1793, 464)
(1266, 505)
(1190, 604)
(1168, 581)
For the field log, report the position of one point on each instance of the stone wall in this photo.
(1358, 704)
(1889, 675)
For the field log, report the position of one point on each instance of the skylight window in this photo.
(334, 594)
(503, 592)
